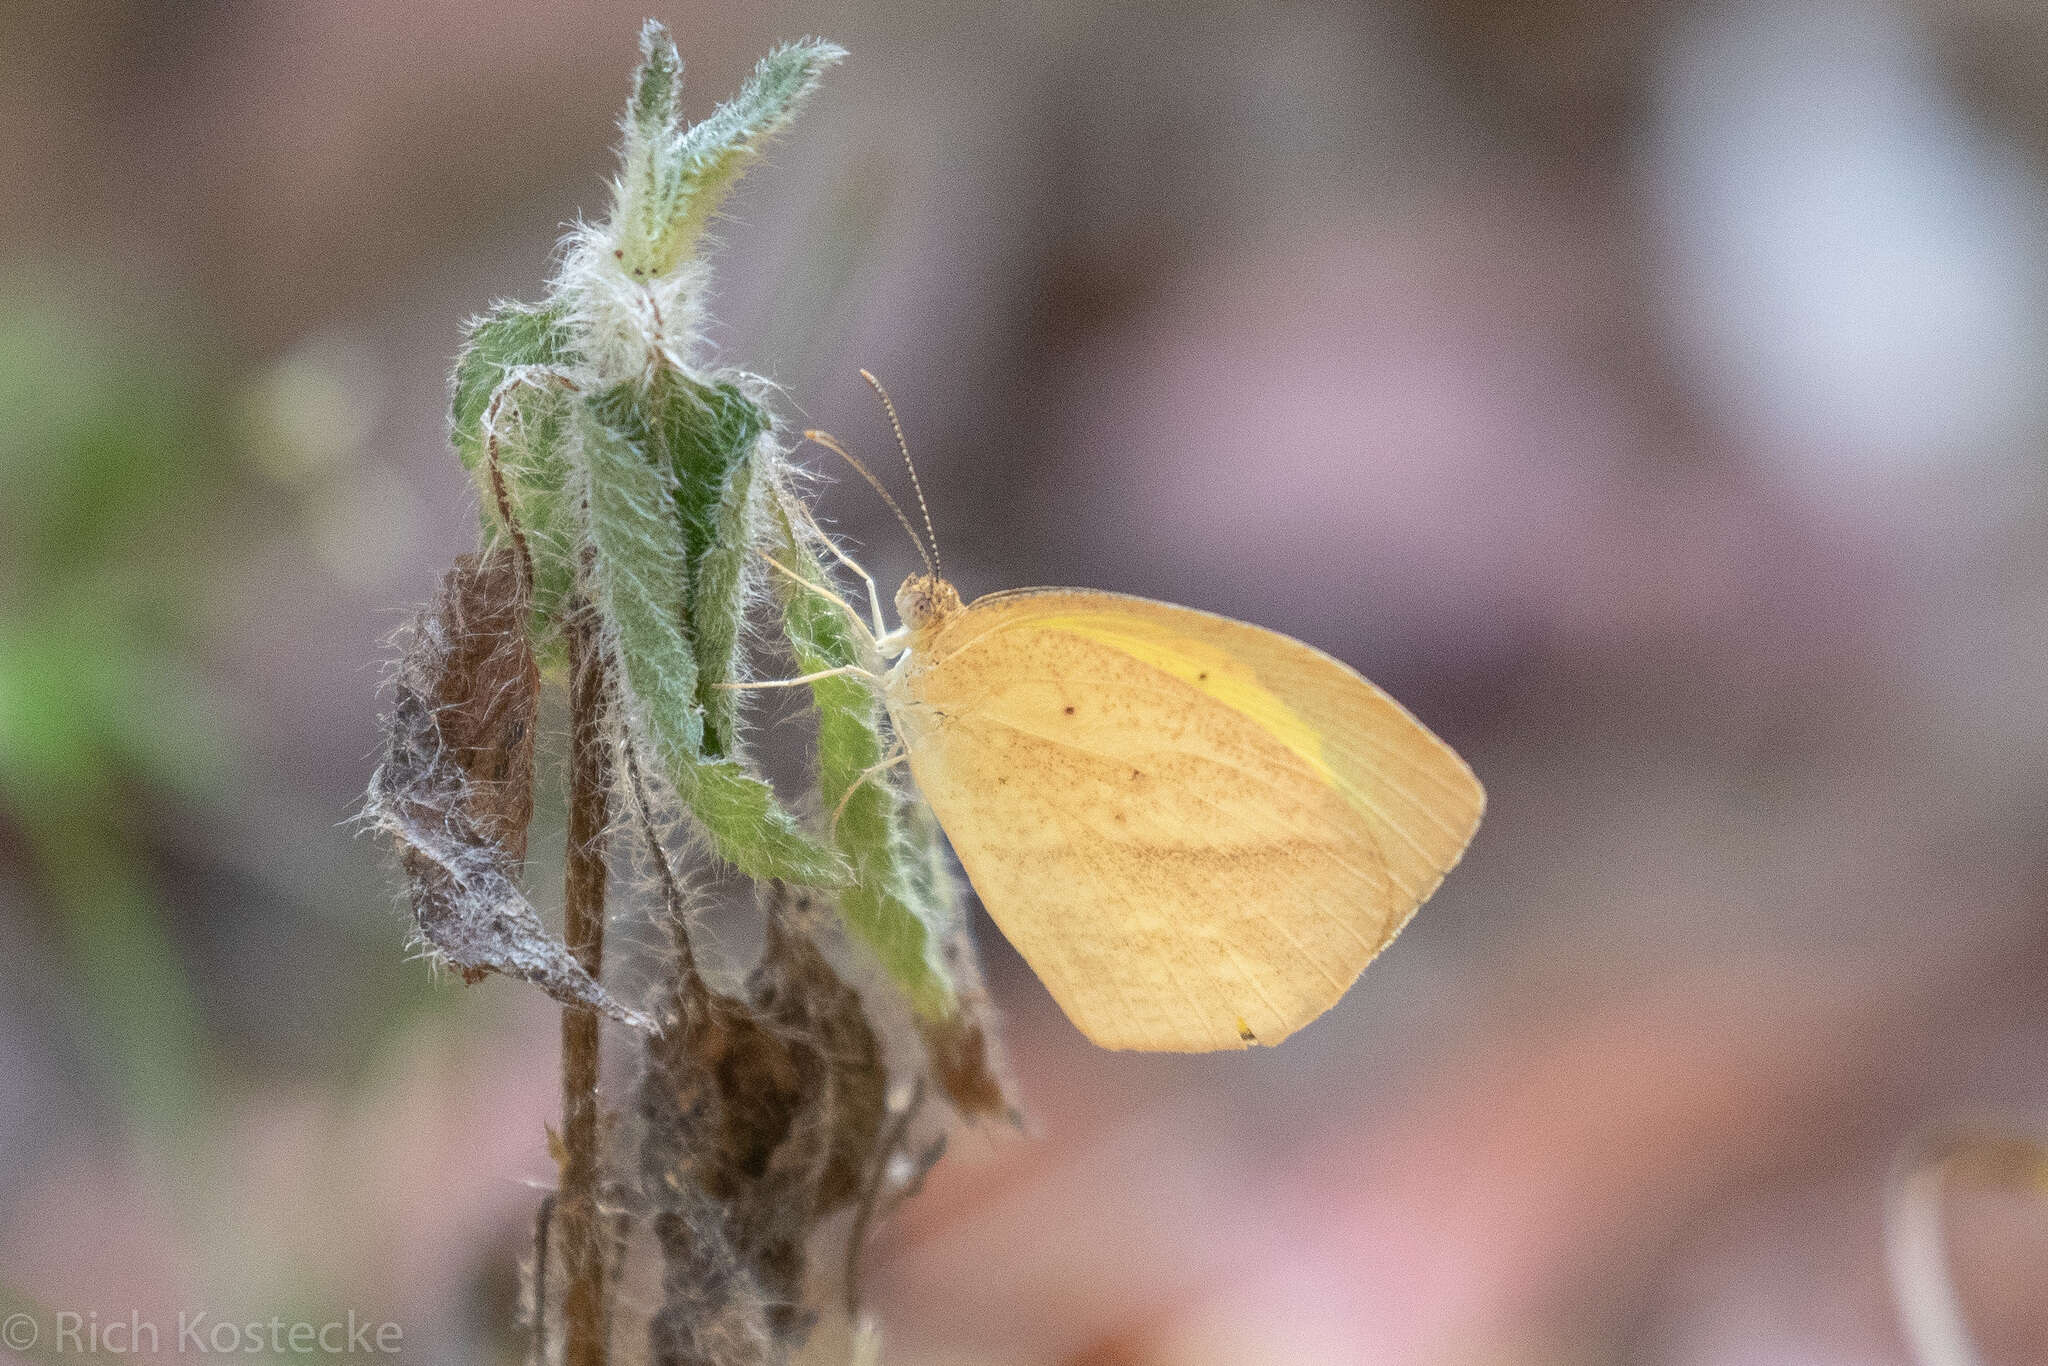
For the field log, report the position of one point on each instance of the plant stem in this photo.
(582, 1255)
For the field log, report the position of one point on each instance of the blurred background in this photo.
(1654, 396)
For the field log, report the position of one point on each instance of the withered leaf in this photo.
(823, 1158)
(455, 789)
(718, 1090)
(799, 992)
(718, 1094)
(487, 694)
(761, 1114)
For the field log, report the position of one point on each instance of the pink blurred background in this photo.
(1653, 396)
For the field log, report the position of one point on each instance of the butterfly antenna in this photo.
(937, 565)
(826, 440)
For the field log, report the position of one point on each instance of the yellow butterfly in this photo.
(1197, 832)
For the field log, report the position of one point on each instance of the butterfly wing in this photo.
(1196, 831)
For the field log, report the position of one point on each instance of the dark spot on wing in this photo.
(1070, 711)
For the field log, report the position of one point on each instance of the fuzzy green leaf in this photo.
(896, 902)
(710, 431)
(531, 423)
(642, 584)
(750, 829)
(511, 337)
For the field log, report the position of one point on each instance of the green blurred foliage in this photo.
(116, 469)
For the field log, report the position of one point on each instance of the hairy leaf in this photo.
(641, 574)
(642, 580)
(657, 85)
(798, 991)
(710, 432)
(749, 828)
(963, 1049)
(536, 344)
(896, 915)
(509, 339)
(487, 698)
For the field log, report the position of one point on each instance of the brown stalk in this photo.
(582, 1243)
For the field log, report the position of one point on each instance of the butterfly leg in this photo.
(881, 627)
(872, 770)
(867, 636)
(843, 671)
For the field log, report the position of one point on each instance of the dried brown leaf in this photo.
(798, 990)
(455, 790)
(760, 1119)
(719, 1093)
(487, 694)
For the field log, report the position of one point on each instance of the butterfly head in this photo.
(924, 601)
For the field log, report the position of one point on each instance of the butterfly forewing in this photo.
(1196, 831)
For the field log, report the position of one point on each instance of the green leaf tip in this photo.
(767, 102)
(671, 182)
(658, 84)
(508, 339)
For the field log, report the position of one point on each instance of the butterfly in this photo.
(1196, 831)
